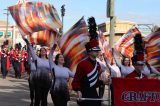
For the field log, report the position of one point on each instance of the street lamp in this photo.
(7, 13)
(62, 15)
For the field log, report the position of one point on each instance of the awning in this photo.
(1, 34)
(8, 34)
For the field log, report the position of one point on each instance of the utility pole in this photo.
(7, 13)
(62, 15)
(110, 14)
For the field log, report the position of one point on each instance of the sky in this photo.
(138, 11)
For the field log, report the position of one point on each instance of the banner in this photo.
(35, 16)
(136, 92)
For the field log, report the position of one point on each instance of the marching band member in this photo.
(138, 63)
(87, 75)
(138, 59)
(4, 62)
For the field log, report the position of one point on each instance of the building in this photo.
(121, 27)
(13, 35)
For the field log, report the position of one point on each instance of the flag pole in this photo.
(62, 15)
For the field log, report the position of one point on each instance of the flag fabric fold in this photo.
(72, 44)
(125, 43)
(104, 46)
(35, 16)
(44, 38)
(152, 47)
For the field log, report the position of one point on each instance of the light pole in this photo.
(7, 13)
(62, 15)
(110, 14)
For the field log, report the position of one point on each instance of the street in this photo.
(15, 92)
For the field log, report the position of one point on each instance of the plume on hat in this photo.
(138, 55)
(92, 26)
(93, 44)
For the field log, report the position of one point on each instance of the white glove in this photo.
(79, 95)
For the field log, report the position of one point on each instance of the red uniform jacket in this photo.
(0, 54)
(87, 75)
(134, 74)
(8, 63)
(22, 63)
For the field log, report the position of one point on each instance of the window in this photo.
(8, 34)
(1, 34)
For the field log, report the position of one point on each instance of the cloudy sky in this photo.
(139, 11)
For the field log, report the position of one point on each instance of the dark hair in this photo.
(41, 50)
(123, 59)
(56, 58)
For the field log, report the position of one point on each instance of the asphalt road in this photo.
(15, 92)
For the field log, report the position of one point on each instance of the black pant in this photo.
(89, 93)
(15, 67)
(19, 69)
(4, 71)
(60, 97)
(41, 93)
(101, 90)
(3, 68)
(112, 95)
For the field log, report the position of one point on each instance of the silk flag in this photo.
(125, 43)
(44, 38)
(72, 44)
(152, 47)
(35, 16)
(104, 46)
(136, 92)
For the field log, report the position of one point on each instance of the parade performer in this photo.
(4, 62)
(32, 75)
(15, 62)
(40, 78)
(114, 73)
(8, 61)
(26, 62)
(18, 66)
(22, 62)
(138, 58)
(59, 90)
(124, 65)
(105, 74)
(138, 63)
(86, 78)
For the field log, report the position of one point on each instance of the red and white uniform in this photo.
(86, 80)
(87, 75)
(134, 74)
